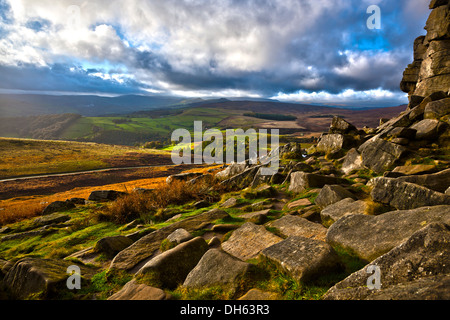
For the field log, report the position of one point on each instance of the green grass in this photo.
(83, 233)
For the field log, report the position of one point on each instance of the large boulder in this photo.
(296, 226)
(304, 259)
(340, 209)
(105, 195)
(334, 143)
(428, 129)
(340, 125)
(218, 268)
(352, 162)
(438, 181)
(241, 180)
(170, 268)
(405, 195)
(31, 276)
(249, 240)
(182, 177)
(300, 181)
(110, 246)
(144, 248)
(420, 259)
(135, 291)
(331, 194)
(58, 206)
(369, 237)
(433, 75)
(380, 155)
(232, 170)
(437, 109)
(179, 236)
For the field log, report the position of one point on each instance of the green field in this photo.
(140, 129)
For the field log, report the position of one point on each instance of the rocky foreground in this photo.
(379, 197)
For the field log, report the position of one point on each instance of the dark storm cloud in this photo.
(264, 47)
(60, 78)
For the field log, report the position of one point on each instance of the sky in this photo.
(306, 51)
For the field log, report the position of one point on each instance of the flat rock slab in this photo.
(369, 237)
(50, 219)
(299, 203)
(438, 181)
(217, 267)
(134, 291)
(145, 247)
(249, 240)
(340, 209)
(252, 215)
(179, 236)
(304, 259)
(405, 195)
(170, 268)
(425, 254)
(297, 226)
(415, 169)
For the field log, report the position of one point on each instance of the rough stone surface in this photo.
(415, 169)
(352, 161)
(331, 194)
(438, 181)
(230, 203)
(182, 177)
(437, 109)
(50, 219)
(241, 180)
(379, 155)
(425, 254)
(333, 143)
(405, 195)
(303, 258)
(232, 170)
(300, 181)
(369, 237)
(427, 129)
(31, 275)
(179, 236)
(340, 209)
(297, 226)
(339, 125)
(134, 291)
(145, 247)
(105, 195)
(171, 267)
(58, 206)
(248, 241)
(217, 267)
(299, 203)
(110, 246)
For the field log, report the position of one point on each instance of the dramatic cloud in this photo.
(302, 50)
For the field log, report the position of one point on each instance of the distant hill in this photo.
(19, 105)
(130, 120)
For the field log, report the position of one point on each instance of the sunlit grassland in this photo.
(24, 157)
